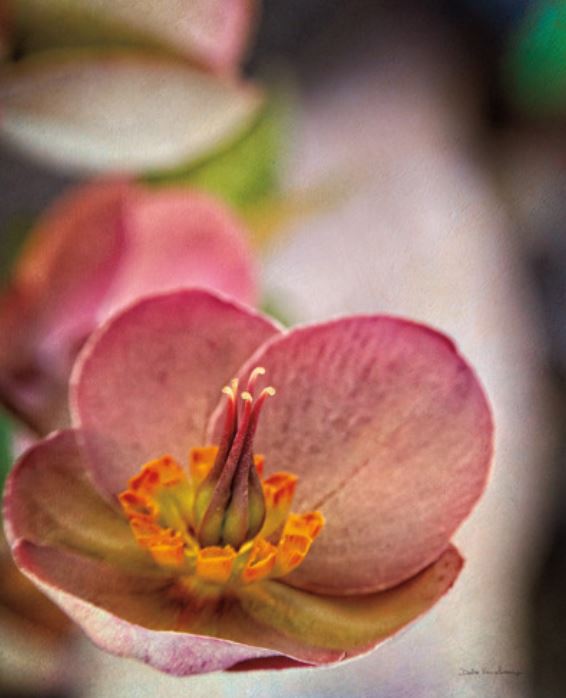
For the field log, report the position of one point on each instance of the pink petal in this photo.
(49, 500)
(60, 575)
(347, 626)
(50, 306)
(147, 381)
(179, 238)
(74, 252)
(391, 436)
(141, 617)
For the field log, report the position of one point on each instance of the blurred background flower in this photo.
(94, 251)
(87, 83)
(36, 636)
(211, 33)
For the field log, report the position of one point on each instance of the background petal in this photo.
(146, 383)
(390, 434)
(71, 259)
(49, 500)
(103, 110)
(179, 237)
(50, 306)
(213, 32)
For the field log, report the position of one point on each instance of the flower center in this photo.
(221, 522)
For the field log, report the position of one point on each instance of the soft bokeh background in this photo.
(428, 149)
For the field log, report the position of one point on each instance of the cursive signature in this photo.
(483, 671)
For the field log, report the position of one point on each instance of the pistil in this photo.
(222, 526)
(230, 504)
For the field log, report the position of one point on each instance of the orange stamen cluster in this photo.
(219, 522)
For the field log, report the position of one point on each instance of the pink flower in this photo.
(377, 423)
(94, 251)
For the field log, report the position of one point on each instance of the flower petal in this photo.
(348, 625)
(72, 256)
(124, 111)
(390, 434)
(213, 32)
(50, 306)
(179, 237)
(115, 610)
(146, 382)
(145, 618)
(49, 500)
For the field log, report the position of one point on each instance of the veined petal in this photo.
(147, 619)
(390, 435)
(213, 32)
(178, 238)
(120, 110)
(128, 616)
(349, 625)
(146, 383)
(50, 501)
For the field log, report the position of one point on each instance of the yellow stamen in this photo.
(259, 461)
(309, 524)
(162, 472)
(201, 461)
(136, 504)
(168, 550)
(291, 551)
(214, 564)
(279, 489)
(261, 561)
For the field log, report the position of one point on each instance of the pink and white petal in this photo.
(350, 625)
(178, 238)
(212, 32)
(102, 110)
(146, 383)
(49, 500)
(391, 436)
(93, 594)
(151, 620)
